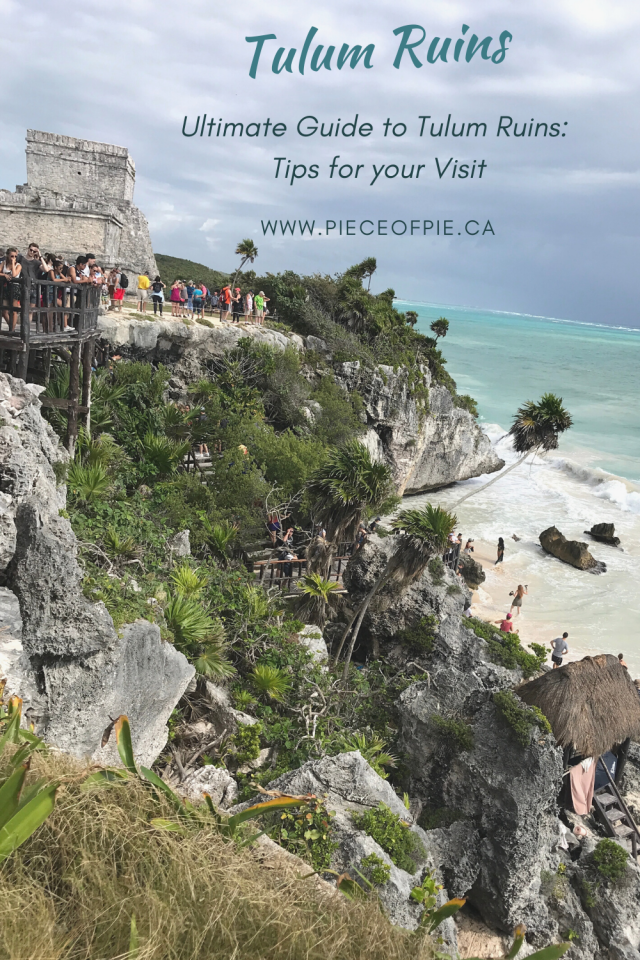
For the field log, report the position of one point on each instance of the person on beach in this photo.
(621, 659)
(506, 625)
(517, 595)
(468, 546)
(500, 551)
(559, 647)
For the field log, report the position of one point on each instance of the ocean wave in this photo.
(606, 486)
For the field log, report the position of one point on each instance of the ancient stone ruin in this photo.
(78, 198)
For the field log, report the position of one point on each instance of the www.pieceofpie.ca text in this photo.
(381, 228)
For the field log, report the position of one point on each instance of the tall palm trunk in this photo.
(380, 582)
(473, 493)
(242, 263)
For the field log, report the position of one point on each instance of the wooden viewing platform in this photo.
(275, 573)
(43, 317)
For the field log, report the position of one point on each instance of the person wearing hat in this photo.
(506, 625)
(225, 303)
(260, 303)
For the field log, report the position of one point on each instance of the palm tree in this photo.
(248, 251)
(317, 604)
(440, 327)
(420, 535)
(536, 428)
(348, 483)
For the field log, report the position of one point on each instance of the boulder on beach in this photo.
(604, 533)
(471, 571)
(573, 552)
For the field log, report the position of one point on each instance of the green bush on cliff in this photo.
(521, 718)
(453, 731)
(507, 651)
(393, 835)
(419, 637)
(610, 860)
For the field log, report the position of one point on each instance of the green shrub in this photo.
(454, 732)
(88, 483)
(270, 681)
(307, 833)
(521, 718)
(393, 835)
(420, 636)
(465, 402)
(247, 742)
(375, 869)
(507, 651)
(610, 860)
(436, 570)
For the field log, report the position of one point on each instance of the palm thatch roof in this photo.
(591, 704)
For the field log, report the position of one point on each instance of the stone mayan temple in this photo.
(78, 198)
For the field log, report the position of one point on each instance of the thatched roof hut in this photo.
(591, 704)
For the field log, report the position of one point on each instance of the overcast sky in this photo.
(564, 210)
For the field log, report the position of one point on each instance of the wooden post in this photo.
(622, 760)
(74, 390)
(22, 362)
(87, 359)
(47, 366)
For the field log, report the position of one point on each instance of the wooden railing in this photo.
(286, 573)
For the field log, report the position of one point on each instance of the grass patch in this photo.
(454, 732)
(70, 891)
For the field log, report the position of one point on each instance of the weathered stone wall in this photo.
(78, 200)
(72, 167)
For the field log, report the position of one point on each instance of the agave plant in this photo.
(318, 601)
(164, 454)
(188, 582)
(119, 548)
(244, 700)
(103, 451)
(22, 809)
(373, 749)
(220, 536)
(270, 681)
(177, 423)
(88, 483)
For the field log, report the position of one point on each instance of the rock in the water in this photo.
(604, 533)
(472, 572)
(218, 783)
(73, 669)
(179, 544)
(574, 552)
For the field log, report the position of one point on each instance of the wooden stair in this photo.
(613, 814)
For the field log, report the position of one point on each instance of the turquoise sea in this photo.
(501, 360)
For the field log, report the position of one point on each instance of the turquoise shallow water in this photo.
(502, 359)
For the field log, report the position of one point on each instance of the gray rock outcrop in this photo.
(574, 552)
(612, 907)
(425, 447)
(471, 571)
(72, 668)
(217, 782)
(347, 785)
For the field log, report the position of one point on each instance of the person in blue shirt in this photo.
(190, 288)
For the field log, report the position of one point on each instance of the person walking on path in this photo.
(143, 291)
(559, 647)
(500, 551)
(517, 595)
(157, 295)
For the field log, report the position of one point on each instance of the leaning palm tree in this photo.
(349, 482)
(535, 429)
(318, 601)
(248, 251)
(420, 535)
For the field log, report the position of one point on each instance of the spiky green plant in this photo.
(102, 451)
(117, 547)
(189, 622)
(244, 700)
(318, 601)
(270, 681)
(374, 750)
(88, 483)
(220, 536)
(164, 454)
(188, 582)
(177, 423)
